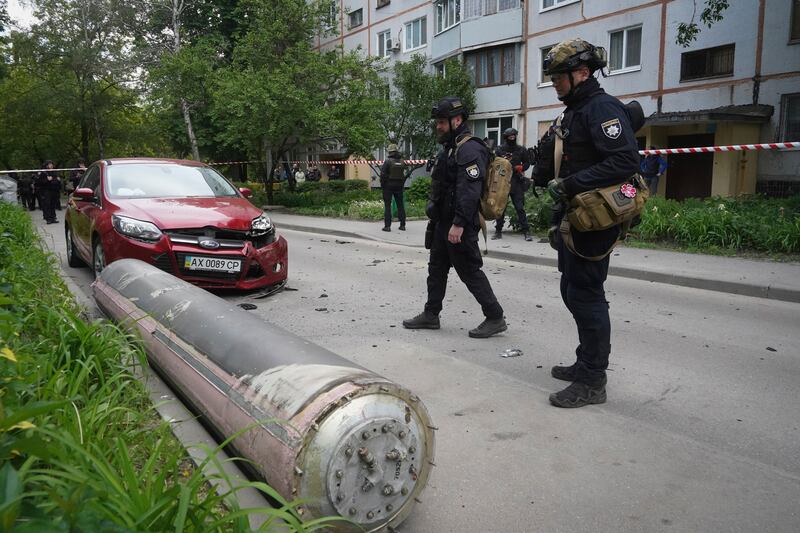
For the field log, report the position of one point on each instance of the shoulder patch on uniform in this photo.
(612, 128)
(473, 172)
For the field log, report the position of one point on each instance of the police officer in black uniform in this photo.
(518, 156)
(599, 150)
(393, 180)
(48, 184)
(457, 184)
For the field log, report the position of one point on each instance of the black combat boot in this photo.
(527, 236)
(386, 228)
(497, 235)
(567, 373)
(424, 320)
(402, 227)
(579, 394)
(489, 327)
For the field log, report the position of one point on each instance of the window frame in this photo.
(481, 10)
(784, 122)
(544, 81)
(350, 14)
(387, 49)
(440, 28)
(625, 70)
(709, 51)
(556, 5)
(475, 55)
(794, 17)
(423, 20)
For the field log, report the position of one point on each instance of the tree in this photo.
(712, 13)
(414, 91)
(279, 93)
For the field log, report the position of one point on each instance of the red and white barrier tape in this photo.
(662, 151)
(729, 148)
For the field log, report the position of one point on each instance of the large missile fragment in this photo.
(326, 430)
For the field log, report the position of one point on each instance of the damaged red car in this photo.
(183, 217)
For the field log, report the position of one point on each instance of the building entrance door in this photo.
(689, 175)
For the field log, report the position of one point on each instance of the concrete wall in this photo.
(492, 28)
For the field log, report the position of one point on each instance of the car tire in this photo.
(98, 258)
(72, 256)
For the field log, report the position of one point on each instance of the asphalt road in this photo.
(700, 432)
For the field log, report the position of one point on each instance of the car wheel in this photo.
(72, 256)
(98, 258)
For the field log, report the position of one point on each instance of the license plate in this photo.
(212, 264)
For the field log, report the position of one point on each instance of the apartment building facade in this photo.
(738, 83)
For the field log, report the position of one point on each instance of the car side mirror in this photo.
(84, 193)
(247, 193)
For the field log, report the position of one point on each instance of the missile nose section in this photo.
(323, 430)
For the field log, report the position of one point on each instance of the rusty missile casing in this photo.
(325, 430)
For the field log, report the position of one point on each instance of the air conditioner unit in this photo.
(394, 47)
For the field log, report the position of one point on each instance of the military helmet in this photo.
(509, 132)
(392, 148)
(568, 55)
(449, 107)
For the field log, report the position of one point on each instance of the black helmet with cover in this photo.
(509, 132)
(449, 107)
(569, 55)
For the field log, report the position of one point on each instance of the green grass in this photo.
(81, 446)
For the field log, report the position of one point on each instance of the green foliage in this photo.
(712, 13)
(420, 189)
(737, 224)
(414, 92)
(81, 448)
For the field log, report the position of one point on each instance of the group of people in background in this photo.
(46, 188)
(296, 174)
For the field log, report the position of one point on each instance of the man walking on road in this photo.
(393, 180)
(599, 149)
(456, 186)
(518, 156)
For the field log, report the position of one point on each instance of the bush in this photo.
(419, 189)
(752, 223)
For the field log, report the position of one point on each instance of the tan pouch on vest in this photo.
(603, 208)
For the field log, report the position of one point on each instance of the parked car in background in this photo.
(181, 216)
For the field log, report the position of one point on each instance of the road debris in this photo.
(511, 352)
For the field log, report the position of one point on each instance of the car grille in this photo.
(227, 239)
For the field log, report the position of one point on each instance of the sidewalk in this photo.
(763, 279)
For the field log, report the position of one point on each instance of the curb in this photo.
(730, 287)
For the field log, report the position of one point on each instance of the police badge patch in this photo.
(612, 128)
(473, 172)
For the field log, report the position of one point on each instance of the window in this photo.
(550, 4)
(492, 66)
(491, 128)
(416, 33)
(790, 117)
(478, 8)
(91, 180)
(356, 18)
(384, 43)
(440, 69)
(794, 33)
(544, 80)
(625, 50)
(708, 63)
(331, 16)
(382, 3)
(448, 14)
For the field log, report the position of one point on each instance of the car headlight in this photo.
(261, 224)
(138, 229)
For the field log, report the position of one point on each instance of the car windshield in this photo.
(164, 180)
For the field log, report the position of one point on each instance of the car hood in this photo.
(182, 213)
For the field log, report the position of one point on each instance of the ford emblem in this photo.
(209, 244)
